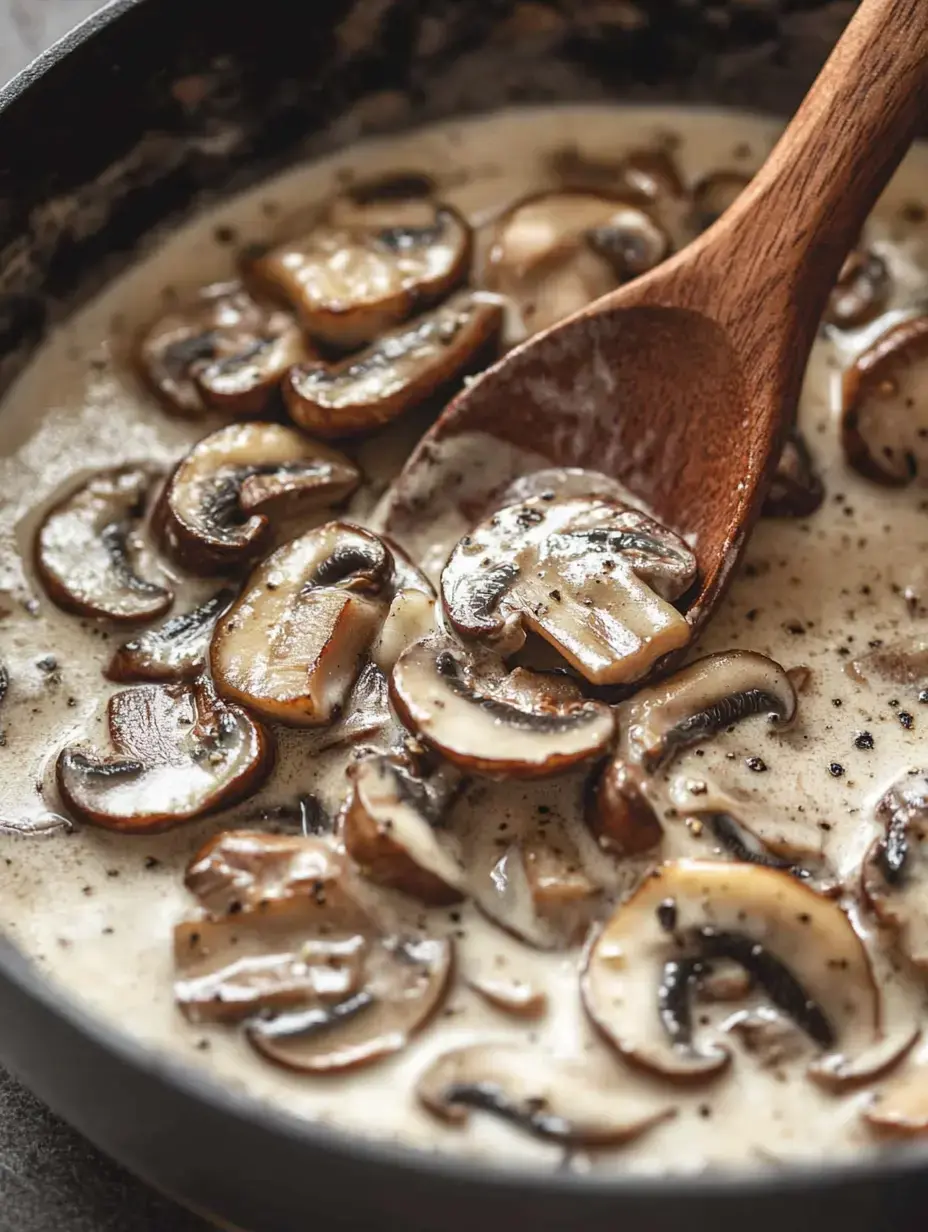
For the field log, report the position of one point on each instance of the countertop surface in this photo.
(51, 1180)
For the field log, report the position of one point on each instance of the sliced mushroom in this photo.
(885, 411)
(797, 490)
(216, 509)
(744, 845)
(178, 754)
(398, 371)
(895, 869)
(232, 969)
(901, 1107)
(368, 268)
(227, 352)
(714, 195)
(473, 719)
(88, 552)
(555, 252)
(548, 1097)
(799, 947)
(619, 812)
(175, 650)
(390, 828)
(593, 577)
(772, 1038)
(404, 986)
(705, 697)
(903, 662)
(861, 292)
(291, 943)
(291, 646)
(243, 871)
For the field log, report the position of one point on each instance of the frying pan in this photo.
(148, 111)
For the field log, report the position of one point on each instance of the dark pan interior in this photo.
(154, 108)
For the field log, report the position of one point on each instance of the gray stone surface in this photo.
(51, 1180)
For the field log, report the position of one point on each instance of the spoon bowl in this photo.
(683, 384)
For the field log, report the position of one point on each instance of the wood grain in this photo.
(684, 383)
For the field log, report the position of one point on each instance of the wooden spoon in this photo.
(684, 383)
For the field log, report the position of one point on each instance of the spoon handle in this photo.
(805, 209)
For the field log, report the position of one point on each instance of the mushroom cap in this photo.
(215, 511)
(179, 753)
(367, 268)
(389, 826)
(523, 728)
(87, 550)
(894, 876)
(398, 371)
(702, 698)
(291, 646)
(884, 406)
(548, 1097)
(799, 946)
(225, 352)
(861, 292)
(555, 252)
(176, 649)
(593, 577)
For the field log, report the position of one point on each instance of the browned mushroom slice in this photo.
(368, 268)
(226, 353)
(796, 490)
(216, 509)
(291, 646)
(398, 371)
(714, 195)
(522, 728)
(901, 1107)
(405, 982)
(177, 649)
(895, 869)
(555, 252)
(885, 410)
(861, 292)
(550, 1098)
(243, 870)
(705, 697)
(798, 946)
(234, 968)
(619, 813)
(88, 552)
(593, 577)
(178, 754)
(902, 662)
(390, 828)
(411, 619)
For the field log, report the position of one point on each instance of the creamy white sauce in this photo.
(96, 910)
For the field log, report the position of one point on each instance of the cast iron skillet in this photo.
(149, 109)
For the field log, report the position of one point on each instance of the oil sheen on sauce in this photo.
(96, 910)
